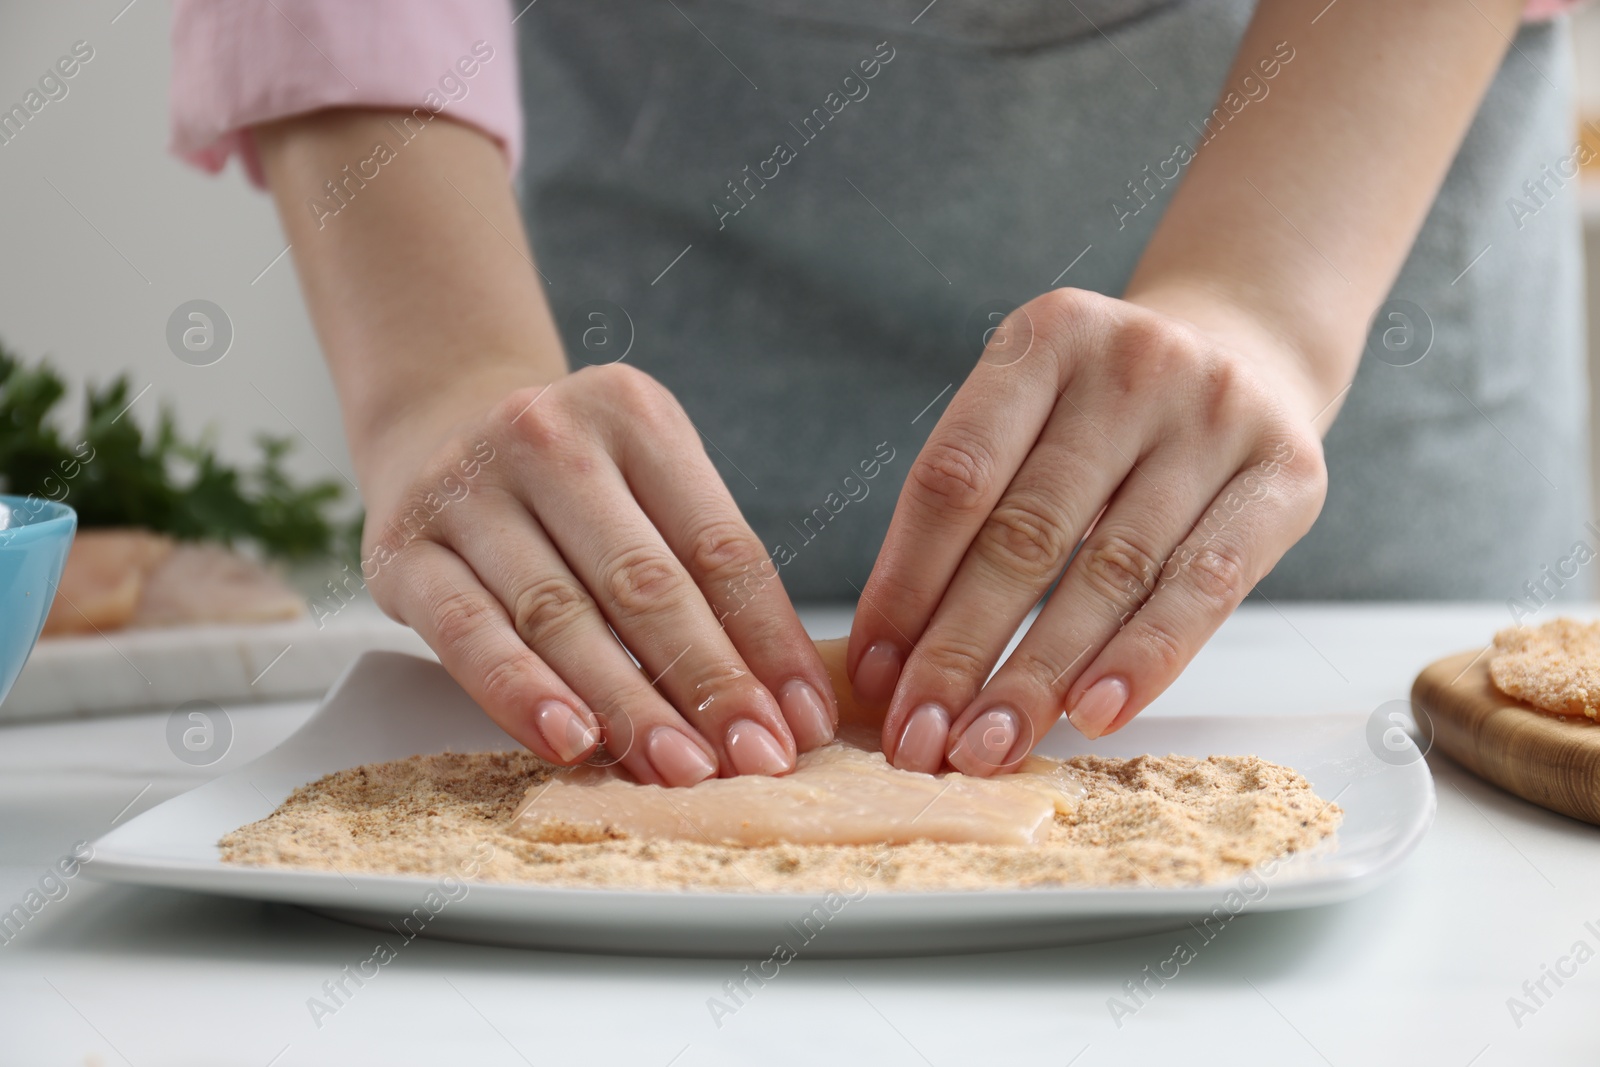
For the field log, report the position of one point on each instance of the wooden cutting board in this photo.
(1550, 760)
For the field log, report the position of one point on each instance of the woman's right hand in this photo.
(537, 541)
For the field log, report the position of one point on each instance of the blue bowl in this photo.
(35, 535)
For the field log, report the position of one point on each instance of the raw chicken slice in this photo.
(105, 574)
(201, 582)
(837, 795)
(115, 578)
(845, 793)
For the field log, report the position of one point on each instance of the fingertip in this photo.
(878, 672)
(1128, 714)
(753, 748)
(1098, 706)
(812, 720)
(676, 758)
(570, 734)
(921, 745)
(989, 743)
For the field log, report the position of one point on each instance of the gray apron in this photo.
(801, 217)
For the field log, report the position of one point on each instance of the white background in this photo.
(96, 303)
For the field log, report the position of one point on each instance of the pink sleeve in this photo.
(1544, 10)
(236, 63)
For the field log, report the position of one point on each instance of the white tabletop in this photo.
(1417, 972)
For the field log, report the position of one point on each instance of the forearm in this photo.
(418, 277)
(1296, 215)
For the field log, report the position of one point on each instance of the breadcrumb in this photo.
(1554, 667)
(1167, 821)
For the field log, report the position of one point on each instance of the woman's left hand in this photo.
(1185, 460)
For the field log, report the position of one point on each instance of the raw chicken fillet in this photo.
(837, 795)
(117, 578)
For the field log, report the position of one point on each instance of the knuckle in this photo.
(1047, 679)
(1014, 335)
(1067, 321)
(1293, 472)
(405, 524)
(640, 396)
(618, 378)
(1065, 304)
(1304, 461)
(1027, 538)
(953, 659)
(506, 682)
(953, 476)
(1158, 642)
(517, 401)
(900, 588)
(534, 420)
(1157, 333)
(548, 608)
(1152, 352)
(1217, 574)
(1221, 389)
(642, 581)
(723, 551)
(1120, 570)
(423, 511)
(457, 618)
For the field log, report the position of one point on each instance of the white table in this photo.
(1418, 972)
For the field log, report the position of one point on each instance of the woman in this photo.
(786, 234)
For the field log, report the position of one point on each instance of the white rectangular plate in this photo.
(389, 706)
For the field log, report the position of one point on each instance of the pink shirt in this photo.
(236, 63)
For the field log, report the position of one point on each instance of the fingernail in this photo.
(877, 673)
(983, 747)
(677, 759)
(922, 742)
(1098, 706)
(753, 750)
(564, 730)
(806, 715)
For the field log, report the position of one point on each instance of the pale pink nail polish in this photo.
(806, 714)
(677, 759)
(753, 750)
(564, 730)
(877, 673)
(1099, 707)
(986, 743)
(922, 741)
